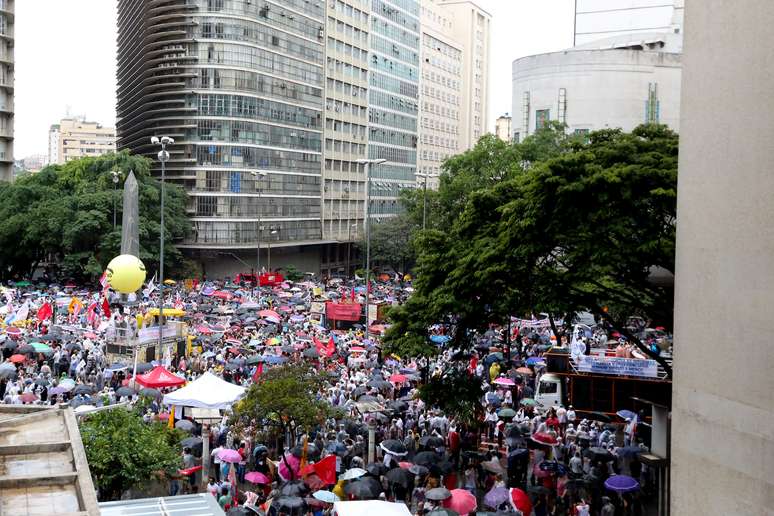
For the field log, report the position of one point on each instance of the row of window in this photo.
(258, 59)
(438, 125)
(394, 33)
(385, 100)
(346, 88)
(381, 63)
(392, 137)
(266, 11)
(214, 232)
(440, 94)
(377, 116)
(391, 171)
(346, 69)
(258, 134)
(359, 149)
(356, 130)
(435, 155)
(240, 80)
(242, 206)
(250, 157)
(440, 78)
(439, 141)
(345, 29)
(410, 6)
(259, 34)
(348, 50)
(395, 15)
(244, 182)
(345, 108)
(238, 106)
(337, 165)
(387, 47)
(394, 85)
(376, 151)
(360, 16)
(445, 49)
(436, 109)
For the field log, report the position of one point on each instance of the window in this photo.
(542, 116)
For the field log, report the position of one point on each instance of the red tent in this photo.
(159, 377)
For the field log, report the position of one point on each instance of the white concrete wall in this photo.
(605, 88)
(723, 401)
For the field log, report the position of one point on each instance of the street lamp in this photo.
(349, 245)
(163, 158)
(272, 232)
(258, 175)
(367, 224)
(424, 196)
(116, 174)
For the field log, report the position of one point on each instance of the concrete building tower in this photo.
(239, 85)
(723, 415)
(6, 88)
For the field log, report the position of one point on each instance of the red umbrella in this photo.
(28, 397)
(405, 465)
(18, 359)
(544, 438)
(269, 313)
(398, 378)
(13, 331)
(222, 294)
(462, 501)
(520, 501)
(256, 477)
(204, 330)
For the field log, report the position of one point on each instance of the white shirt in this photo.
(571, 415)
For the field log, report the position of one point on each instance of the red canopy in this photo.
(159, 377)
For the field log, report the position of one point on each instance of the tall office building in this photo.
(471, 28)
(6, 89)
(441, 92)
(74, 138)
(239, 85)
(393, 95)
(601, 19)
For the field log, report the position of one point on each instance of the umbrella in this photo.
(626, 414)
(377, 469)
(41, 381)
(554, 467)
(507, 413)
(67, 384)
(462, 501)
(28, 397)
(394, 447)
(289, 502)
(83, 408)
(398, 378)
(493, 466)
(17, 359)
(439, 339)
(431, 441)
(151, 393)
(353, 473)
(400, 476)
(520, 500)
(117, 367)
(229, 455)
(311, 353)
(326, 496)
(312, 452)
(427, 458)
(143, 367)
(295, 488)
(528, 402)
(398, 406)
(525, 370)
(438, 494)
(538, 490)
(596, 453)
(496, 497)
(419, 471)
(83, 389)
(54, 390)
(256, 477)
(544, 438)
(9, 345)
(186, 425)
(80, 400)
(443, 511)
(125, 391)
(7, 371)
(531, 361)
(337, 448)
(364, 488)
(379, 384)
(599, 416)
(622, 484)
(504, 381)
(42, 348)
(26, 349)
(191, 442)
(630, 451)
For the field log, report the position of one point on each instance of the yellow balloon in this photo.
(125, 273)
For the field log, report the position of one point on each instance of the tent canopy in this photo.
(159, 377)
(207, 391)
(370, 508)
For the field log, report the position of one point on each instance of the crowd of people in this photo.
(519, 458)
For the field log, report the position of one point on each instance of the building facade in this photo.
(239, 85)
(74, 138)
(503, 127)
(441, 95)
(6, 89)
(596, 89)
(601, 19)
(393, 97)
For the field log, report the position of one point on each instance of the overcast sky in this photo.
(65, 58)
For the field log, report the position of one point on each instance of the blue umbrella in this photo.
(622, 484)
(274, 359)
(440, 339)
(626, 414)
(535, 360)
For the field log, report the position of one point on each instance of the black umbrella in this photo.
(81, 400)
(598, 454)
(400, 476)
(599, 416)
(438, 493)
(25, 349)
(185, 425)
(431, 441)
(380, 384)
(398, 406)
(289, 502)
(83, 389)
(359, 391)
(191, 442)
(419, 471)
(151, 393)
(10, 345)
(7, 371)
(312, 452)
(427, 458)
(41, 381)
(377, 469)
(311, 353)
(393, 446)
(71, 346)
(294, 489)
(365, 488)
(125, 391)
(144, 367)
(48, 337)
(255, 359)
(442, 468)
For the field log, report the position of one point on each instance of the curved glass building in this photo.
(239, 85)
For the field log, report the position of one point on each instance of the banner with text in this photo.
(342, 311)
(618, 366)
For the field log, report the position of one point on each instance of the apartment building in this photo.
(6, 89)
(74, 138)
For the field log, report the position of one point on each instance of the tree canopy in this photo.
(64, 213)
(576, 225)
(124, 452)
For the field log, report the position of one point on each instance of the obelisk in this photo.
(130, 222)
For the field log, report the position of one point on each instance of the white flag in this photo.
(23, 312)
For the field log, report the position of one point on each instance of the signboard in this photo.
(317, 307)
(342, 311)
(618, 366)
(151, 334)
(373, 313)
(271, 279)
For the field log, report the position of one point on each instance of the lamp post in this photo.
(424, 196)
(367, 224)
(349, 245)
(272, 232)
(116, 174)
(258, 175)
(163, 158)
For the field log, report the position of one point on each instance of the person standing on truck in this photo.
(571, 417)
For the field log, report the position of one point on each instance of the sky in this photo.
(65, 58)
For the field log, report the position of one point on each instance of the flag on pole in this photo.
(103, 280)
(23, 312)
(45, 311)
(75, 306)
(105, 307)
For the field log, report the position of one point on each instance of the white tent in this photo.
(370, 508)
(207, 391)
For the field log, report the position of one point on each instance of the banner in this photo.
(270, 279)
(317, 307)
(151, 334)
(618, 366)
(342, 311)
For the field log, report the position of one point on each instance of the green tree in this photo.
(125, 452)
(286, 397)
(391, 242)
(456, 394)
(582, 229)
(64, 213)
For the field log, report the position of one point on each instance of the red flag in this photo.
(331, 349)
(105, 307)
(258, 371)
(45, 311)
(317, 344)
(352, 295)
(91, 313)
(325, 469)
